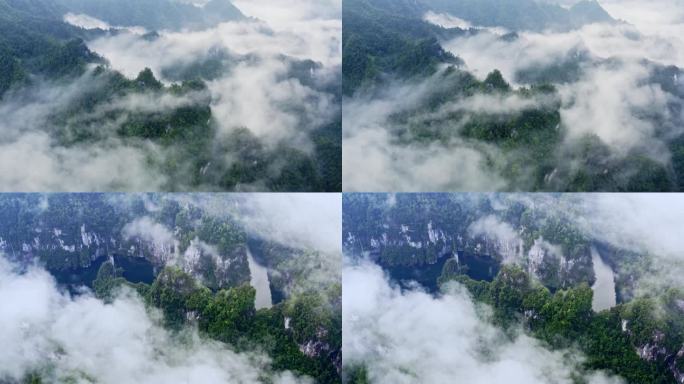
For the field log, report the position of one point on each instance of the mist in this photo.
(604, 75)
(308, 224)
(256, 92)
(647, 225)
(650, 224)
(614, 96)
(261, 87)
(375, 160)
(299, 220)
(79, 337)
(409, 336)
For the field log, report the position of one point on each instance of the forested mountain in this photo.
(156, 14)
(35, 38)
(192, 257)
(517, 108)
(35, 41)
(169, 123)
(521, 15)
(532, 259)
(389, 38)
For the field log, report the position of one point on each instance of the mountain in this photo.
(522, 15)
(34, 41)
(390, 45)
(531, 260)
(384, 37)
(190, 261)
(40, 52)
(390, 37)
(589, 11)
(156, 14)
(420, 234)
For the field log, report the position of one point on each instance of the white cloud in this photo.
(446, 20)
(617, 106)
(258, 93)
(299, 220)
(651, 221)
(374, 160)
(81, 337)
(32, 163)
(614, 98)
(85, 21)
(508, 239)
(148, 230)
(411, 337)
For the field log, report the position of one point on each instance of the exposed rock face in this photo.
(82, 247)
(67, 249)
(654, 351)
(425, 245)
(318, 347)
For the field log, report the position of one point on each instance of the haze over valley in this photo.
(502, 95)
(163, 95)
(158, 288)
(521, 288)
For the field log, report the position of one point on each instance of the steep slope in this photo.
(181, 256)
(35, 42)
(389, 38)
(156, 14)
(530, 259)
(522, 15)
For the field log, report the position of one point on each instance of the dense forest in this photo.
(167, 121)
(532, 260)
(187, 256)
(516, 125)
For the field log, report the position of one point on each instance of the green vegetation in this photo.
(388, 43)
(369, 217)
(564, 319)
(155, 14)
(171, 126)
(388, 37)
(309, 345)
(81, 240)
(35, 42)
(639, 339)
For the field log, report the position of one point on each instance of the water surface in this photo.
(259, 280)
(604, 287)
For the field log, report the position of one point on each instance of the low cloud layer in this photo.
(374, 159)
(264, 85)
(648, 225)
(257, 93)
(299, 220)
(28, 139)
(604, 76)
(648, 221)
(45, 330)
(411, 336)
(614, 99)
(310, 224)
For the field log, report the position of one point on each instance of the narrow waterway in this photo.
(259, 280)
(604, 287)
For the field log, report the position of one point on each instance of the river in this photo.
(604, 287)
(259, 280)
